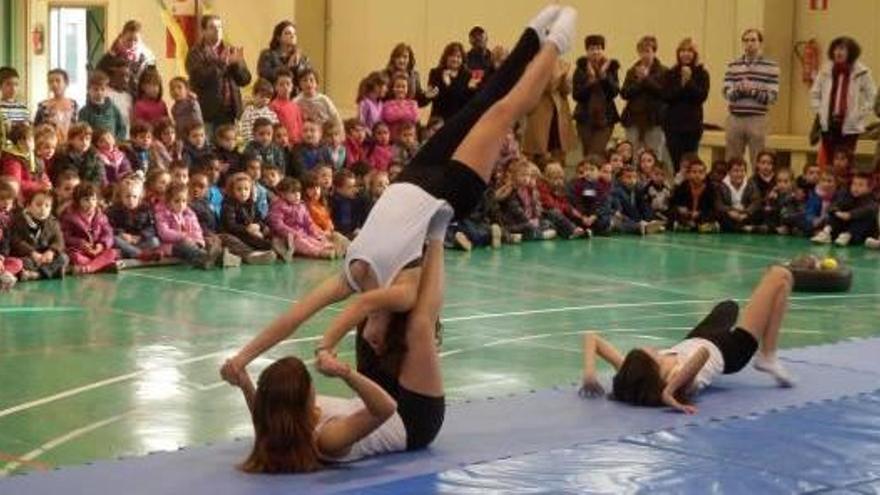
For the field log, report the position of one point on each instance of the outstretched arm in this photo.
(330, 291)
(596, 345)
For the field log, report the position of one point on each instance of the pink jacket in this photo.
(291, 219)
(380, 157)
(174, 228)
(395, 113)
(79, 232)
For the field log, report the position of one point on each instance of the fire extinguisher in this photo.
(38, 38)
(809, 53)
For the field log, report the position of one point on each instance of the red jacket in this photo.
(551, 200)
(17, 167)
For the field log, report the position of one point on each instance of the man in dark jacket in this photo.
(217, 72)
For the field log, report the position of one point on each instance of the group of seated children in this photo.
(621, 193)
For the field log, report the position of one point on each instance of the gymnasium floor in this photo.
(106, 366)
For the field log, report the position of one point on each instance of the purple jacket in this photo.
(370, 112)
(79, 232)
(174, 228)
(289, 219)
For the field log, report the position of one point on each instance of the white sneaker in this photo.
(548, 234)
(872, 243)
(463, 241)
(843, 239)
(497, 235)
(823, 237)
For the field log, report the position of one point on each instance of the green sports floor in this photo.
(109, 366)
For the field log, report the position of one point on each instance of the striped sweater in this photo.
(762, 74)
(14, 112)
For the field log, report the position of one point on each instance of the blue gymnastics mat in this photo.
(828, 447)
(492, 429)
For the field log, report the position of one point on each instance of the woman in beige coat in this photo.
(549, 130)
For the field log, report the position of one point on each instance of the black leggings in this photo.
(422, 415)
(433, 169)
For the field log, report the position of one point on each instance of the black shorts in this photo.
(453, 181)
(422, 415)
(737, 346)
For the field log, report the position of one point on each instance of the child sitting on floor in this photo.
(521, 206)
(631, 213)
(659, 193)
(134, 227)
(356, 149)
(554, 197)
(87, 233)
(693, 201)
(293, 228)
(346, 205)
(852, 217)
(737, 199)
(181, 234)
(239, 219)
(36, 238)
(319, 211)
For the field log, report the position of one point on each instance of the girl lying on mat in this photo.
(671, 377)
(295, 431)
(446, 178)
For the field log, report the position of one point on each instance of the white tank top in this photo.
(389, 437)
(714, 365)
(395, 231)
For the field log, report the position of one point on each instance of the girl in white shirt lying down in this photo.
(671, 377)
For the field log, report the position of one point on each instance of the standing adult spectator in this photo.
(685, 89)
(217, 72)
(643, 92)
(402, 59)
(549, 130)
(479, 57)
(283, 53)
(842, 96)
(751, 85)
(595, 85)
(130, 46)
(452, 82)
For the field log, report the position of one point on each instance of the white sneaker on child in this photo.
(823, 236)
(872, 243)
(773, 367)
(843, 239)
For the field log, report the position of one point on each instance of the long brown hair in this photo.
(284, 423)
(638, 381)
(398, 50)
(455, 46)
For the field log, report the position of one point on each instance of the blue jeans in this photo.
(189, 253)
(130, 250)
(477, 232)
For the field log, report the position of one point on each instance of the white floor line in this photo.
(207, 286)
(60, 440)
(482, 316)
(121, 378)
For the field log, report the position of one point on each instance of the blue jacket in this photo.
(631, 203)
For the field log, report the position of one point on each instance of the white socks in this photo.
(773, 367)
(563, 30)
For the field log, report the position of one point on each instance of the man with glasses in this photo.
(751, 85)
